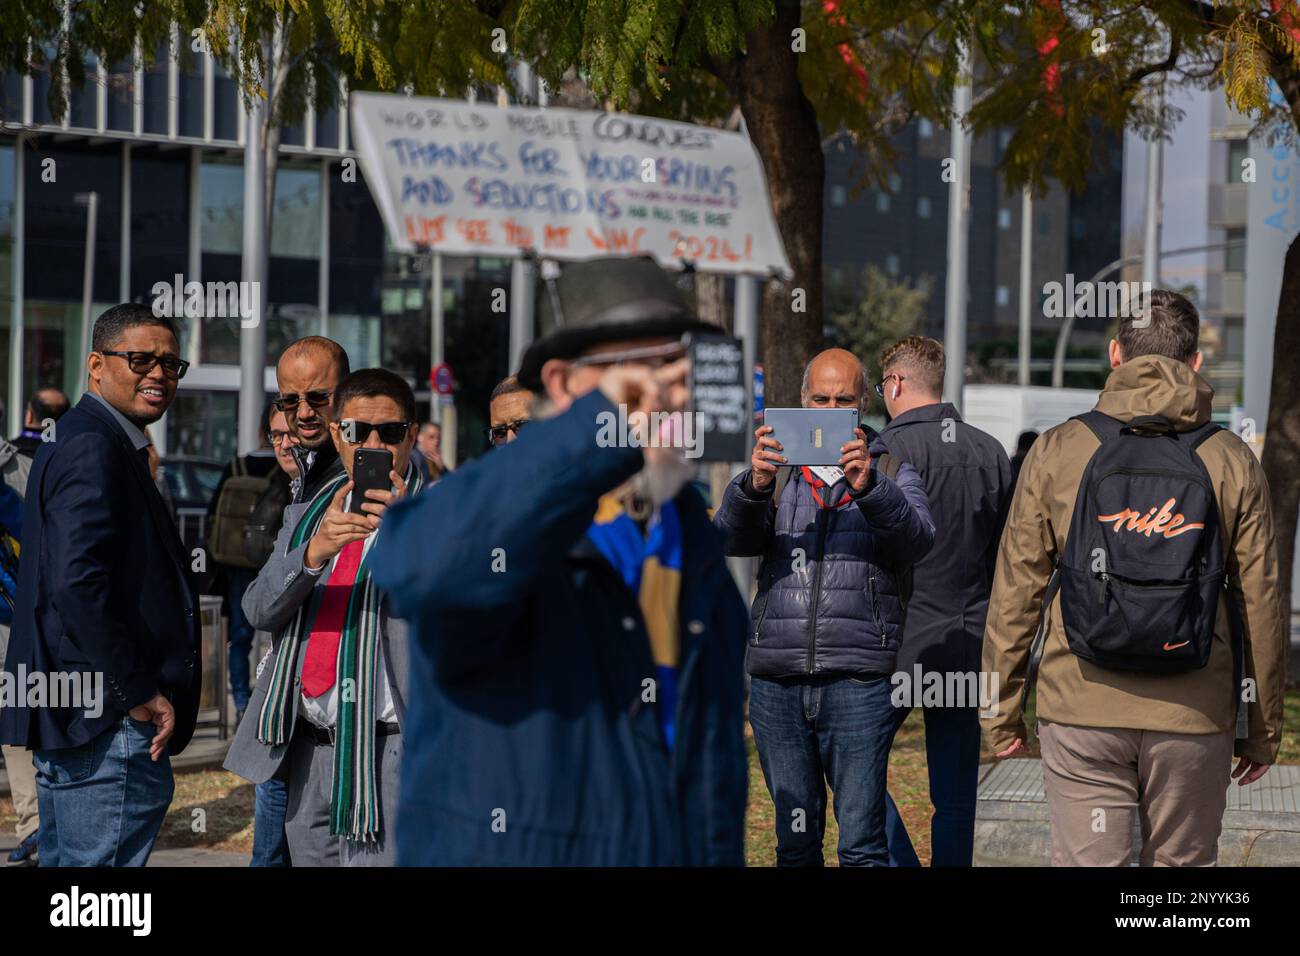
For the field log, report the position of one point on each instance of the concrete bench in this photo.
(1261, 826)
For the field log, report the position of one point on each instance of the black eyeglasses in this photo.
(355, 431)
(289, 403)
(497, 434)
(880, 386)
(142, 363)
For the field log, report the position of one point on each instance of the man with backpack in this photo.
(245, 481)
(838, 545)
(1147, 533)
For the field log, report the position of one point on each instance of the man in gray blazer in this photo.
(337, 670)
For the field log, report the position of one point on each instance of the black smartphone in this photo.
(370, 468)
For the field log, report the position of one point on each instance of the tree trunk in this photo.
(711, 299)
(1282, 439)
(783, 125)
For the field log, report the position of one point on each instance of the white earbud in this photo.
(895, 395)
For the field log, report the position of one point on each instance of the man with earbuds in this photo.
(967, 479)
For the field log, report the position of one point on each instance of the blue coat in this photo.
(528, 741)
(829, 597)
(104, 586)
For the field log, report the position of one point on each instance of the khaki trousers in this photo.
(1099, 780)
(22, 787)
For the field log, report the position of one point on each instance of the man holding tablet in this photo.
(838, 526)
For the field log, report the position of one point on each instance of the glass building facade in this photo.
(162, 148)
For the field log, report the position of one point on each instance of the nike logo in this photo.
(1174, 647)
(1162, 521)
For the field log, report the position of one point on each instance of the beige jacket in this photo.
(1074, 691)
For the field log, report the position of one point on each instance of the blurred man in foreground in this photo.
(580, 640)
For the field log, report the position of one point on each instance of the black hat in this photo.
(603, 300)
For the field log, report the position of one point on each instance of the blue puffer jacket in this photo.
(847, 563)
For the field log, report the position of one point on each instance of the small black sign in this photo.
(719, 397)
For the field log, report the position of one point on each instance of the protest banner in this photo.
(469, 179)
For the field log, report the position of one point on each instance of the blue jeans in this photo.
(241, 636)
(952, 753)
(270, 845)
(811, 731)
(103, 803)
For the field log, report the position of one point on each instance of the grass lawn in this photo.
(214, 809)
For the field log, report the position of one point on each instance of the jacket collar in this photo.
(936, 412)
(701, 545)
(99, 407)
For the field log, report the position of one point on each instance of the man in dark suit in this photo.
(968, 482)
(105, 601)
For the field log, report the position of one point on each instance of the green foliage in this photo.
(867, 319)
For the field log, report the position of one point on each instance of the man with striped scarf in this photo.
(330, 701)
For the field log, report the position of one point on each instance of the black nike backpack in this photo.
(1143, 566)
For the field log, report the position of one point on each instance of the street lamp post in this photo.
(91, 201)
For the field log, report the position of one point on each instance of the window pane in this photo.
(120, 93)
(159, 218)
(225, 106)
(221, 208)
(155, 92)
(295, 223)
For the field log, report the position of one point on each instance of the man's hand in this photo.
(1248, 771)
(337, 528)
(1017, 747)
(161, 714)
(378, 500)
(642, 389)
(764, 459)
(856, 461)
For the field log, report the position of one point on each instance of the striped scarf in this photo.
(650, 564)
(354, 803)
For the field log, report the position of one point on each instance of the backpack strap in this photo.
(1208, 430)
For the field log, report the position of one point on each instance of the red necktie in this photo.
(321, 663)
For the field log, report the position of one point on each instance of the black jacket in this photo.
(104, 587)
(324, 468)
(967, 480)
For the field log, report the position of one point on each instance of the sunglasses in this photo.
(496, 435)
(289, 403)
(355, 431)
(142, 363)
